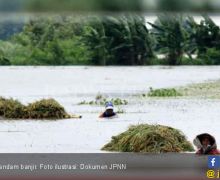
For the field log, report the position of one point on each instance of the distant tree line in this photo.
(111, 40)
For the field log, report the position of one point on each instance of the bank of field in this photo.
(206, 90)
(202, 90)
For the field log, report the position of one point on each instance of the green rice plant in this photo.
(163, 92)
(150, 139)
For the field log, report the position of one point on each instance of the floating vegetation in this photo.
(164, 92)
(101, 100)
(43, 109)
(150, 139)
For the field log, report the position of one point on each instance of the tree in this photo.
(131, 41)
(3, 60)
(95, 37)
(204, 35)
(122, 40)
(170, 37)
(54, 40)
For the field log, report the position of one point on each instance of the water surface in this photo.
(71, 85)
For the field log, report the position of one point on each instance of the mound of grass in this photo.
(46, 109)
(43, 109)
(164, 93)
(12, 109)
(101, 100)
(150, 139)
(2, 100)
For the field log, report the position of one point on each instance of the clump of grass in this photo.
(150, 139)
(43, 109)
(12, 109)
(164, 92)
(2, 100)
(101, 100)
(46, 109)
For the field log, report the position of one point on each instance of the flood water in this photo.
(71, 85)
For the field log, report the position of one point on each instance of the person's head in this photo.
(109, 108)
(205, 141)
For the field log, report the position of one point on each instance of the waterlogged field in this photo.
(72, 85)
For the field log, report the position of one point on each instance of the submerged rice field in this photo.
(72, 85)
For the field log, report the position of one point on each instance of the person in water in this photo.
(206, 144)
(109, 111)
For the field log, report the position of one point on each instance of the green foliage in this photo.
(204, 35)
(122, 40)
(197, 61)
(112, 40)
(43, 109)
(78, 54)
(49, 41)
(3, 59)
(150, 139)
(170, 36)
(164, 93)
(4, 62)
(212, 56)
(177, 35)
(101, 100)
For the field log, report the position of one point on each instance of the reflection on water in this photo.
(71, 85)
